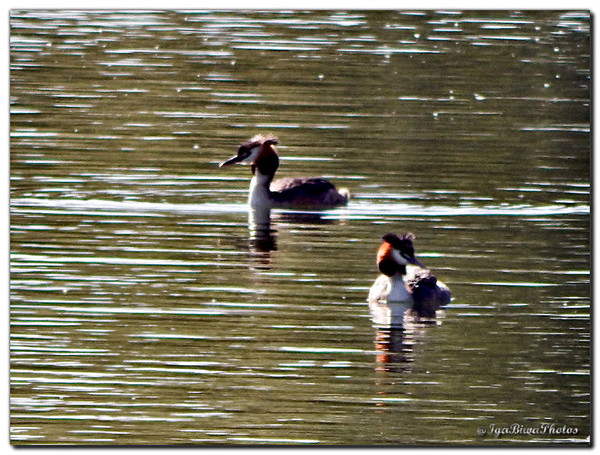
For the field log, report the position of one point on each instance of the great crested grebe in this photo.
(405, 284)
(265, 193)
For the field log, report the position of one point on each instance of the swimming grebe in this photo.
(288, 192)
(405, 284)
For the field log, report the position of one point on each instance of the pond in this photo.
(144, 307)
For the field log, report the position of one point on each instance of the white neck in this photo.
(397, 289)
(259, 191)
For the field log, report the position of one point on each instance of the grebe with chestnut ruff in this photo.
(266, 193)
(405, 284)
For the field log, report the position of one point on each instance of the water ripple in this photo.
(353, 210)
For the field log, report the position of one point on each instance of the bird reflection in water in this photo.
(263, 234)
(394, 345)
(263, 238)
(395, 355)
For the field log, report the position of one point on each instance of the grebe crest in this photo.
(395, 253)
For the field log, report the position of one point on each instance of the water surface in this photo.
(144, 310)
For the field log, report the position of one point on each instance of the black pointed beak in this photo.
(416, 262)
(233, 160)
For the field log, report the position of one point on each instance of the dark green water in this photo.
(145, 311)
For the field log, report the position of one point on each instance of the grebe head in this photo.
(259, 151)
(395, 253)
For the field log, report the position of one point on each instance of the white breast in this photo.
(397, 290)
(259, 191)
(390, 289)
(389, 300)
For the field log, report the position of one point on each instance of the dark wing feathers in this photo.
(306, 192)
(312, 186)
(428, 294)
